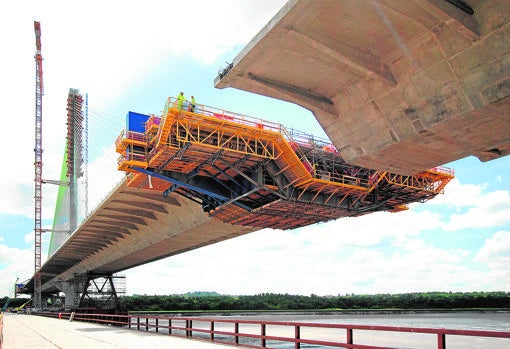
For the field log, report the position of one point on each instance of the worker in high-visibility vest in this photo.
(180, 100)
(192, 104)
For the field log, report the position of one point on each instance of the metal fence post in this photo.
(262, 335)
(297, 335)
(441, 341)
(212, 331)
(349, 339)
(189, 325)
(236, 333)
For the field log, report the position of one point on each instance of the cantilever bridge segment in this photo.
(397, 85)
(198, 177)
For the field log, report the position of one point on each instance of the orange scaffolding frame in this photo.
(272, 177)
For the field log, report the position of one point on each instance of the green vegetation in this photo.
(212, 301)
(13, 302)
(209, 301)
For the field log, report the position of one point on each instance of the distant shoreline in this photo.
(322, 311)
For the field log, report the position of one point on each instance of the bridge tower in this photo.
(68, 181)
(74, 152)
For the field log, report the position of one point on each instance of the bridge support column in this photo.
(72, 289)
(100, 292)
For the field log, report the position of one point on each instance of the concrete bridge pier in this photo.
(72, 289)
(97, 291)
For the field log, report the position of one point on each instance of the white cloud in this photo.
(29, 237)
(373, 229)
(496, 250)
(11, 258)
(495, 254)
(45, 240)
(475, 206)
(492, 210)
(460, 195)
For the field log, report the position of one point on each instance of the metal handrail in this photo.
(229, 116)
(443, 170)
(204, 329)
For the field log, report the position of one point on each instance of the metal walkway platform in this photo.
(26, 332)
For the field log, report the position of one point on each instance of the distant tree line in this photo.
(13, 302)
(206, 301)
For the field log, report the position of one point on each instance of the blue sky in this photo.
(133, 59)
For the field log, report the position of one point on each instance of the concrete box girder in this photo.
(398, 85)
(176, 226)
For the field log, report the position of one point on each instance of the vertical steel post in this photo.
(189, 325)
(297, 335)
(349, 339)
(262, 335)
(212, 331)
(441, 341)
(236, 333)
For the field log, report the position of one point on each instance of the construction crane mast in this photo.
(38, 166)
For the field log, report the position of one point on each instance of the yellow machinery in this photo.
(20, 308)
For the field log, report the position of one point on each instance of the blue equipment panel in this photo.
(136, 122)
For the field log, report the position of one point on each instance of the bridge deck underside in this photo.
(398, 85)
(133, 227)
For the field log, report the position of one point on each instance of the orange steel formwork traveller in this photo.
(248, 171)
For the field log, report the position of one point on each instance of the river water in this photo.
(491, 321)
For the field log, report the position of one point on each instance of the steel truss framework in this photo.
(252, 172)
(101, 292)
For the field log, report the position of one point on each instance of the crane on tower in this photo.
(38, 166)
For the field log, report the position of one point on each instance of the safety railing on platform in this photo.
(291, 135)
(272, 334)
(421, 181)
(127, 138)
